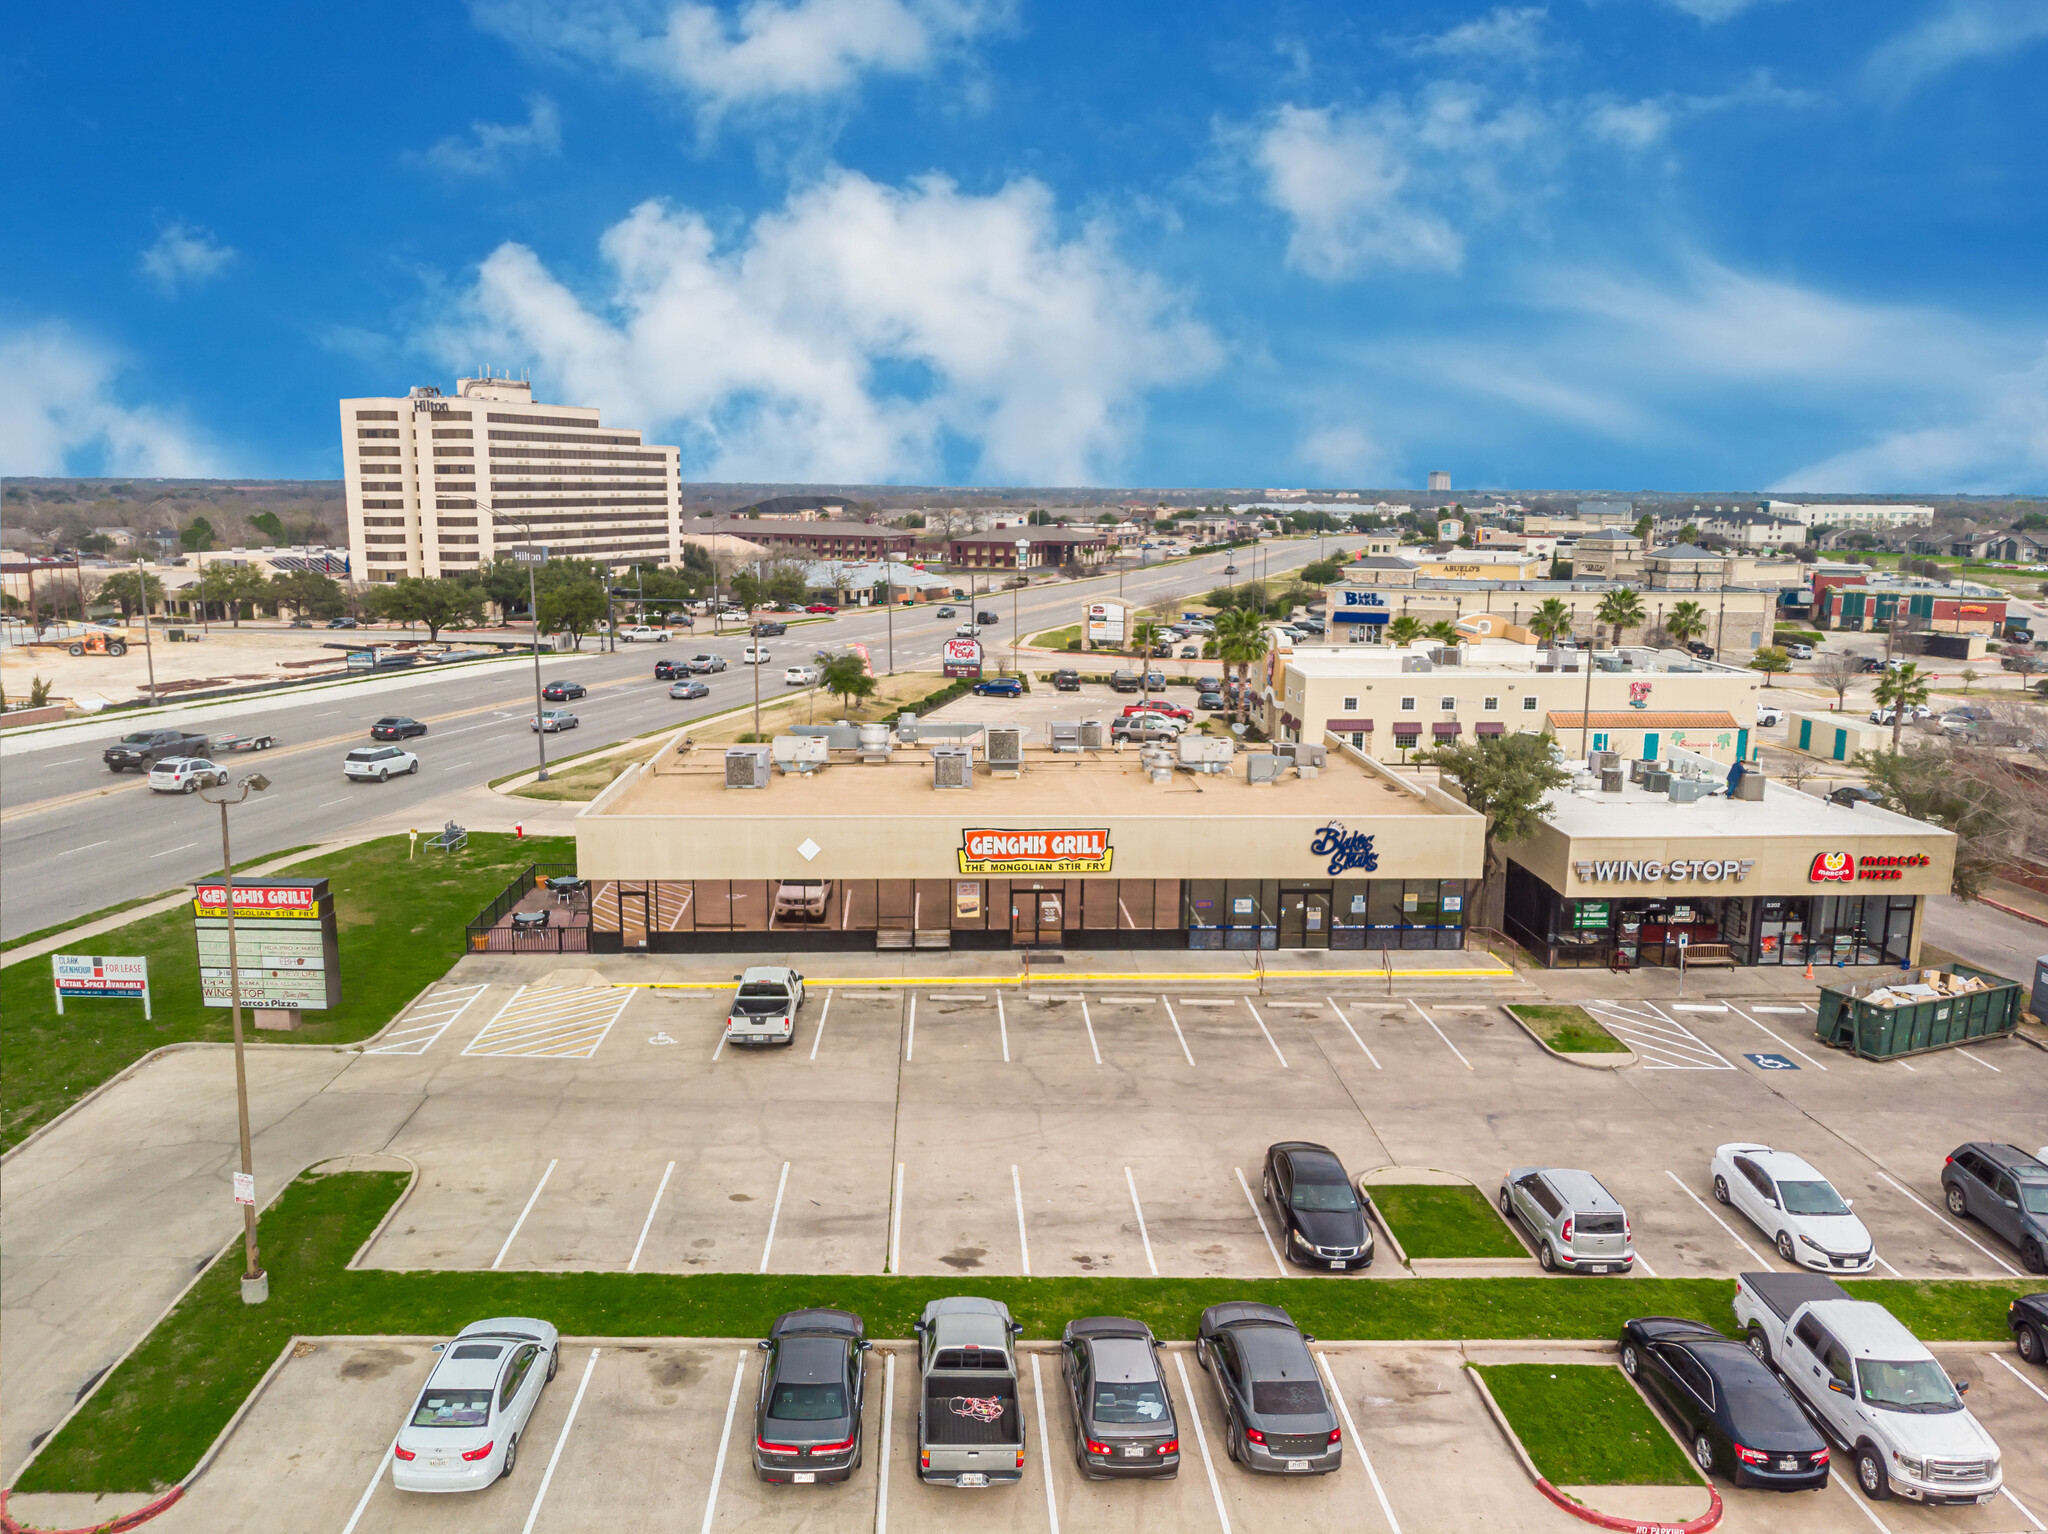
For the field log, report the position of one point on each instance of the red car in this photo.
(1160, 706)
(821, 607)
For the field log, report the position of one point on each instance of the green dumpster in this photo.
(1919, 1019)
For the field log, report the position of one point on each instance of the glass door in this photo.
(633, 917)
(1305, 919)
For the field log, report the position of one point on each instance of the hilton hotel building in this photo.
(426, 473)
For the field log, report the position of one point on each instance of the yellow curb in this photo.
(1120, 979)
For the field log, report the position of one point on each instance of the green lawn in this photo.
(1569, 1030)
(1448, 1220)
(155, 1415)
(1584, 1425)
(400, 924)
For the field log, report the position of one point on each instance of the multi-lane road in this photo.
(76, 838)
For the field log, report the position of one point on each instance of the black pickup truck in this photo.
(143, 749)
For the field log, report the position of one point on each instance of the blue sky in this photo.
(1709, 244)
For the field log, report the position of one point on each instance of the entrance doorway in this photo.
(633, 918)
(1304, 918)
(1037, 917)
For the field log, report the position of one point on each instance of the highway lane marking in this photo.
(1358, 1442)
(458, 766)
(1139, 1208)
(739, 1372)
(1176, 1028)
(554, 1459)
(648, 1224)
(530, 1200)
(1187, 1394)
(1717, 1219)
(169, 850)
(90, 845)
(1352, 1031)
(331, 802)
(1023, 1241)
(1262, 1221)
(1268, 1032)
(1440, 1033)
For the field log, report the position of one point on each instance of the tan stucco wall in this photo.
(1314, 700)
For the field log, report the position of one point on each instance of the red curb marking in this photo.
(125, 1521)
(1699, 1525)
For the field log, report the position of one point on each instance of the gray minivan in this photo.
(1576, 1224)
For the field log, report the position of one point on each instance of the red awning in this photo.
(1489, 729)
(1441, 730)
(1407, 729)
(1347, 726)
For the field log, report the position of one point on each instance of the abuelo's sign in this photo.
(1035, 852)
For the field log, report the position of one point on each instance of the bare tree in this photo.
(1836, 670)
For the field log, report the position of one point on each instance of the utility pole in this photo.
(1023, 566)
(255, 1282)
(889, 592)
(142, 601)
(534, 558)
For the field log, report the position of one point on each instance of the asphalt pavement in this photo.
(75, 838)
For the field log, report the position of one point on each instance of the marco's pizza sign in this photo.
(1035, 852)
(1846, 868)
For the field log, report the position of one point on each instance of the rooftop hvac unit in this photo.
(1006, 747)
(1689, 790)
(1750, 788)
(907, 729)
(1447, 655)
(799, 753)
(1636, 768)
(952, 767)
(873, 743)
(1094, 735)
(1262, 767)
(746, 766)
(1416, 663)
(1206, 753)
(1611, 780)
(1310, 753)
(1656, 781)
(838, 737)
(1066, 736)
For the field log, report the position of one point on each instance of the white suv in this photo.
(185, 775)
(1785, 1198)
(380, 763)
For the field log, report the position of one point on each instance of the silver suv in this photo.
(1575, 1223)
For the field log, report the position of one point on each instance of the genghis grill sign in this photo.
(1652, 871)
(1035, 852)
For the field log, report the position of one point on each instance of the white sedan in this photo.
(464, 1431)
(185, 775)
(800, 676)
(381, 763)
(1784, 1197)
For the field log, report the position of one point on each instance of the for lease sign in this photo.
(1035, 852)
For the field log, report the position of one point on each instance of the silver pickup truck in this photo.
(970, 1431)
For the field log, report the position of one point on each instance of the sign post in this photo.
(124, 979)
(1684, 942)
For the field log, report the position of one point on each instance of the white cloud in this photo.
(762, 51)
(857, 333)
(1506, 34)
(185, 256)
(1956, 33)
(487, 146)
(58, 414)
(1346, 452)
(1712, 10)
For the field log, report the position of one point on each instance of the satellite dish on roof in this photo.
(1237, 729)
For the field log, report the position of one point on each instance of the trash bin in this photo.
(1883, 1020)
(2038, 1002)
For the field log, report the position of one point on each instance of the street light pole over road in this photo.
(533, 558)
(255, 1282)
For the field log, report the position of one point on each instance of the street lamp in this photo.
(255, 1282)
(531, 558)
(1023, 580)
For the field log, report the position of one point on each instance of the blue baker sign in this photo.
(1360, 607)
(1346, 850)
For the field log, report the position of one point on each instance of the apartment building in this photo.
(1739, 618)
(796, 539)
(1851, 516)
(438, 484)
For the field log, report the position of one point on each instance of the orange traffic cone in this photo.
(1809, 969)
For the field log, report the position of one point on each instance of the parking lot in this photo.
(962, 1131)
(656, 1434)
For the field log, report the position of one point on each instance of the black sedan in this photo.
(1123, 1413)
(1738, 1416)
(2028, 1318)
(1276, 1418)
(1311, 1196)
(684, 687)
(396, 727)
(563, 692)
(807, 1419)
(670, 670)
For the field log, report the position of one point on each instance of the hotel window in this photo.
(1529, 704)
(1490, 706)
(1350, 705)
(1447, 705)
(1407, 705)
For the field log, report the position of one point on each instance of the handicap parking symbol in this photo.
(660, 1038)
(1771, 1062)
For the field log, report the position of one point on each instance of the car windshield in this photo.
(1811, 1198)
(1130, 1402)
(1324, 1195)
(761, 1000)
(2034, 1197)
(1918, 1386)
(141, 739)
(1288, 1398)
(453, 1408)
(1600, 1224)
(793, 1402)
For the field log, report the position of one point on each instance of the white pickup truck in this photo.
(1872, 1386)
(765, 1006)
(641, 633)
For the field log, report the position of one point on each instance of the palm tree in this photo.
(1551, 619)
(1405, 629)
(1241, 642)
(1901, 691)
(1685, 623)
(1621, 610)
(1443, 631)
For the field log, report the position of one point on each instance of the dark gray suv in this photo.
(2006, 1189)
(1276, 1418)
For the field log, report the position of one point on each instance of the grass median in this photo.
(1584, 1425)
(1567, 1029)
(149, 1423)
(1443, 1220)
(400, 924)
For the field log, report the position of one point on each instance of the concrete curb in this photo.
(1386, 1230)
(2011, 910)
(412, 1181)
(1586, 1062)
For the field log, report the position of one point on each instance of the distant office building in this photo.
(1439, 479)
(1851, 516)
(440, 484)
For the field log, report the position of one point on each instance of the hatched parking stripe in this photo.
(1663, 1042)
(561, 1025)
(428, 1020)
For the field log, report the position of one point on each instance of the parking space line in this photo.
(1857, 1498)
(1023, 1243)
(882, 1475)
(774, 1215)
(818, 1033)
(1440, 1033)
(548, 1475)
(1643, 1263)
(369, 1491)
(1263, 1029)
(896, 1220)
(648, 1224)
(522, 1216)
(1664, 1043)
(430, 1017)
(1187, 1392)
(732, 1402)
(1089, 1023)
(1895, 1273)
(1949, 1224)
(1358, 1443)
(1003, 1027)
(1052, 1511)
(2009, 1369)
(1782, 1043)
(551, 1024)
(1717, 1219)
(1176, 1029)
(2006, 1491)
(1795, 1011)
(1140, 1210)
(1975, 1061)
(1352, 1031)
(910, 1033)
(1262, 1221)
(1694, 1006)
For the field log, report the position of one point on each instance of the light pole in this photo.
(532, 558)
(142, 603)
(889, 595)
(255, 1282)
(1023, 579)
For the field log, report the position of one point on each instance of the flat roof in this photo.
(1052, 785)
(1783, 811)
(1338, 661)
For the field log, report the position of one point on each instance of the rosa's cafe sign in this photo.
(962, 658)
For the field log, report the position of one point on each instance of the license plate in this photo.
(1135, 1451)
(1601, 1267)
(1788, 1464)
(1297, 1464)
(437, 1464)
(804, 1477)
(972, 1480)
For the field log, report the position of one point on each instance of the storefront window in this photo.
(931, 904)
(1099, 905)
(714, 908)
(751, 904)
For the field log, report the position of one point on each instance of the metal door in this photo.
(1035, 916)
(633, 918)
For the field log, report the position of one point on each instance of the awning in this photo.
(1349, 726)
(1484, 728)
(1290, 721)
(1407, 729)
(1443, 730)
(1360, 615)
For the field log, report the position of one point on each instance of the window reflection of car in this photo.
(802, 899)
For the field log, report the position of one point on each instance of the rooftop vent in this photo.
(1066, 735)
(952, 766)
(1262, 767)
(799, 753)
(746, 766)
(1206, 753)
(1094, 734)
(873, 743)
(1006, 747)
